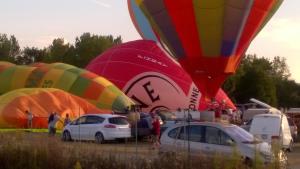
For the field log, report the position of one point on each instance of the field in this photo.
(33, 150)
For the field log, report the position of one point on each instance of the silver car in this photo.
(210, 138)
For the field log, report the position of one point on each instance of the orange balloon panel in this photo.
(41, 102)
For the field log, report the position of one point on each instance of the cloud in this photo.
(102, 3)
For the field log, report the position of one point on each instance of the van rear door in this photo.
(265, 127)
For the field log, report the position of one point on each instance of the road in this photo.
(294, 157)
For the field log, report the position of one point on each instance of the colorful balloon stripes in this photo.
(95, 89)
(208, 38)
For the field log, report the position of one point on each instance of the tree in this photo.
(89, 46)
(30, 55)
(263, 79)
(9, 48)
(57, 50)
(256, 83)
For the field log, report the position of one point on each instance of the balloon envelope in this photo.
(95, 89)
(150, 77)
(208, 37)
(41, 102)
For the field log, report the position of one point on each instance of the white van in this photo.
(272, 126)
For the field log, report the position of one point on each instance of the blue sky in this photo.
(38, 22)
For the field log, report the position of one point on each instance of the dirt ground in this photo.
(294, 157)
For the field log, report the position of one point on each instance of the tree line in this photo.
(85, 48)
(264, 79)
(257, 77)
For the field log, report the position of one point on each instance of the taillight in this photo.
(110, 126)
(275, 137)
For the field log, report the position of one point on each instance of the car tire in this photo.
(99, 139)
(248, 162)
(66, 136)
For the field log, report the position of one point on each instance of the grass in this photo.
(3, 130)
(29, 150)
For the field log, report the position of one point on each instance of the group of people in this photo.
(52, 120)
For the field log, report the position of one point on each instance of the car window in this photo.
(239, 134)
(212, 135)
(94, 120)
(81, 120)
(249, 122)
(225, 139)
(173, 133)
(118, 120)
(191, 133)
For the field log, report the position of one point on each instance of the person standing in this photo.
(29, 119)
(156, 132)
(67, 120)
(53, 118)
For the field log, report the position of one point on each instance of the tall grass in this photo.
(21, 150)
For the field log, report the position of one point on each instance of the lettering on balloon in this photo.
(154, 91)
(194, 99)
(150, 59)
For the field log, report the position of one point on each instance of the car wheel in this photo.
(66, 136)
(248, 162)
(99, 138)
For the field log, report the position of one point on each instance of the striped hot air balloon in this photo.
(207, 37)
(95, 89)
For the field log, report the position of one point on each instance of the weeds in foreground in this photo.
(26, 151)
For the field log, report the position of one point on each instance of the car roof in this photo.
(267, 115)
(213, 124)
(103, 115)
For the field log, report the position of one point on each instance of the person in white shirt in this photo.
(29, 119)
(53, 119)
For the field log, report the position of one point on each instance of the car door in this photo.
(169, 140)
(190, 139)
(217, 142)
(77, 129)
(93, 126)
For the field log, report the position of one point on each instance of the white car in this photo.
(97, 127)
(209, 138)
(269, 127)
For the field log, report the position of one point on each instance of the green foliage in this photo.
(263, 79)
(30, 55)
(38, 151)
(9, 47)
(89, 46)
(86, 48)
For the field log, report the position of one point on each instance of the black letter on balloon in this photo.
(150, 92)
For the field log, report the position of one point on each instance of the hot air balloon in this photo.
(41, 102)
(208, 38)
(150, 77)
(95, 89)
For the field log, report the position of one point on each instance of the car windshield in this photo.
(240, 134)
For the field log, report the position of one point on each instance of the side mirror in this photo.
(230, 142)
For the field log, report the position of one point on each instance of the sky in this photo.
(37, 22)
